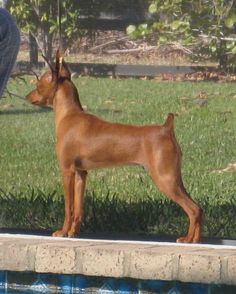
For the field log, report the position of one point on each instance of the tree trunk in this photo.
(33, 49)
(47, 45)
(223, 58)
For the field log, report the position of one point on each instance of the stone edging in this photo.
(140, 260)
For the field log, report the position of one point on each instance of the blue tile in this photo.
(198, 288)
(3, 279)
(65, 283)
(81, 282)
(106, 288)
(41, 284)
(174, 290)
(156, 286)
(126, 287)
(112, 283)
(44, 278)
(21, 278)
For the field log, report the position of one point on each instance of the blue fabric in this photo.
(9, 46)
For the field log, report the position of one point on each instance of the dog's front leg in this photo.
(68, 178)
(79, 188)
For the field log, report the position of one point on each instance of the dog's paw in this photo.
(73, 233)
(59, 233)
(187, 240)
(183, 240)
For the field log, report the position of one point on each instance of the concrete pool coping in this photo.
(196, 263)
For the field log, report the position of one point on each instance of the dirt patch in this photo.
(115, 47)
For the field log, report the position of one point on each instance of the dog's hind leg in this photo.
(78, 212)
(175, 190)
(165, 170)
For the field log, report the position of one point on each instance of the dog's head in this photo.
(47, 84)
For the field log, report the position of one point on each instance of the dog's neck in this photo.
(66, 100)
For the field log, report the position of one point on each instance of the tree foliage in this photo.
(40, 17)
(206, 27)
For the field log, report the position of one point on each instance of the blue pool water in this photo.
(25, 282)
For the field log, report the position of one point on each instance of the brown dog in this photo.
(85, 142)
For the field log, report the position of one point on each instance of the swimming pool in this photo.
(31, 282)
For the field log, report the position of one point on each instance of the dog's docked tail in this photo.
(169, 123)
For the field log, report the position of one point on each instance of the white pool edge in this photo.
(150, 243)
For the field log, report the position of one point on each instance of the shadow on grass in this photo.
(24, 111)
(110, 215)
(14, 111)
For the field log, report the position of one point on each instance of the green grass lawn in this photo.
(123, 199)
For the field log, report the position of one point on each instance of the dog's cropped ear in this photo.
(53, 71)
(57, 65)
(61, 69)
(64, 71)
